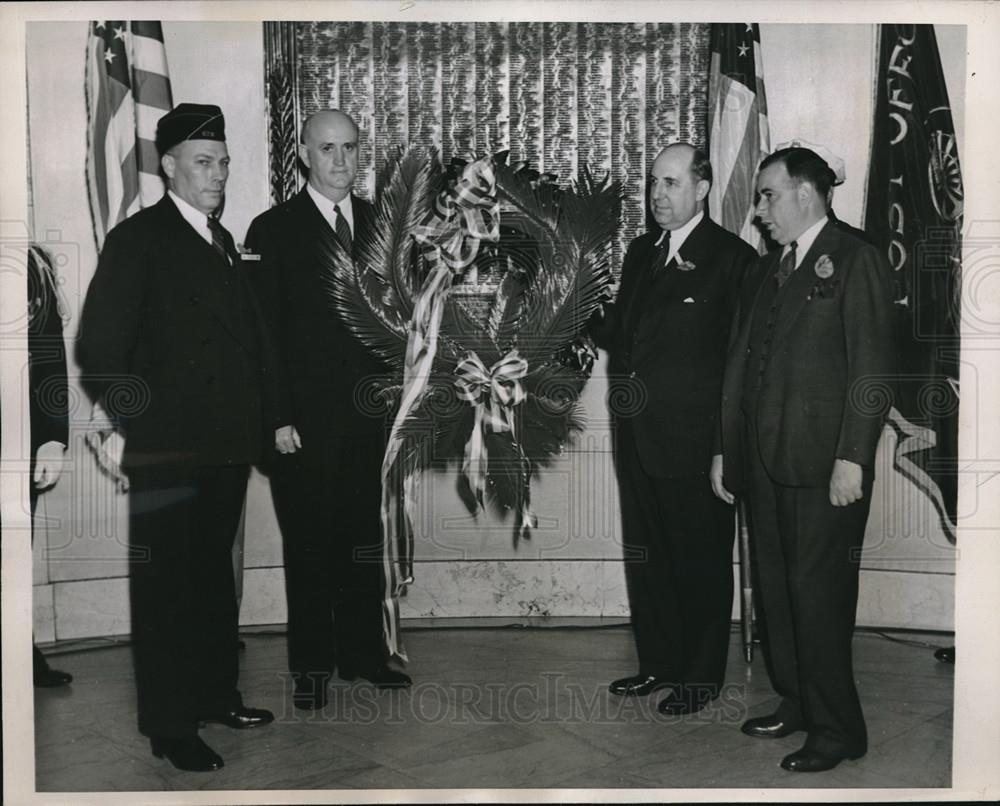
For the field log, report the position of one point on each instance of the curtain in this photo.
(561, 95)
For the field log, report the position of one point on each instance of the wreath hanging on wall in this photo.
(497, 391)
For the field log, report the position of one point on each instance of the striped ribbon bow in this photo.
(462, 217)
(493, 393)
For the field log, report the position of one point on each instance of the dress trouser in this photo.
(807, 555)
(328, 497)
(184, 616)
(678, 543)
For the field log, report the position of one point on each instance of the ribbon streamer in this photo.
(462, 216)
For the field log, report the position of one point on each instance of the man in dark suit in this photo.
(670, 327)
(47, 408)
(172, 343)
(804, 399)
(326, 482)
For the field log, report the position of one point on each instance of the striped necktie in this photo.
(343, 230)
(219, 239)
(787, 265)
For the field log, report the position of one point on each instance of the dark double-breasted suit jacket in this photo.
(327, 494)
(171, 339)
(808, 381)
(669, 330)
(172, 342)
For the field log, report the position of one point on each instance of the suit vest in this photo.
(765, 317)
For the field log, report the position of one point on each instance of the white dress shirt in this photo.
(679, 235)
(805, 241)
(328, 209)
(195, 217)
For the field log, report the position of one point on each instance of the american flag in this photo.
(128, 90)
(737, 125)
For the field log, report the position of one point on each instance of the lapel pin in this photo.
(823, 267)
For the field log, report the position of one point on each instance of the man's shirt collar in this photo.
(195, 217)
(679, 235)
(805, 241)
(326, 207)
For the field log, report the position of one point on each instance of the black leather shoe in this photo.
(639, 685)
(240, 718)
(684, 700)
(768, 727)
(189, 753)
(381, 676)
(51, 678)
(806, 760)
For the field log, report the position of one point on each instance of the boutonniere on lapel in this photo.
(685, 265)
(826, 283)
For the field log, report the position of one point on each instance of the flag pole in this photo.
(746, 586)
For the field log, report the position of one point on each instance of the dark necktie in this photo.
(787, 265)
(219, 239)
(343, 230)
(640, 294)
(660, 259)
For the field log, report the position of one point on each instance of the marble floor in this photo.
(496, 708)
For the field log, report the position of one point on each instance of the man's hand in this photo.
(845, 483)
(48, 464)
(715, 476)
(286, 439)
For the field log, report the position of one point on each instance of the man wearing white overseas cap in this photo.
(803, 406)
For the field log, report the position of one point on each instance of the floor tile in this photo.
(494, 708)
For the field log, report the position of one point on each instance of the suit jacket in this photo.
(47, 388)
(826, 385)
(171, 339)
(323, 367)
(669, 335)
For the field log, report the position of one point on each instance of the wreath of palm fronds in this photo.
(554, 251)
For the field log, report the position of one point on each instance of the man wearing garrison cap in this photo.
(805, 393)
(172, 344)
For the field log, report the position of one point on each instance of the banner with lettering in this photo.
(914, 212)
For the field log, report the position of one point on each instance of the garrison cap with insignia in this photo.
(190, 122)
